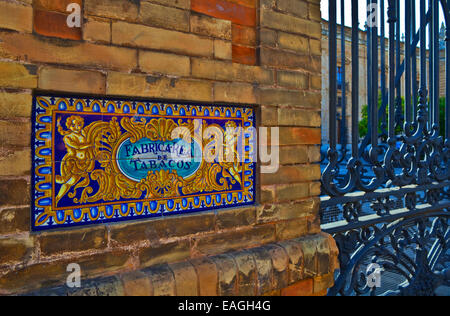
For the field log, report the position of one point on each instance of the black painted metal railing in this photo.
(387, 199)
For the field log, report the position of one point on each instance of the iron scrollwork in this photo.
(412, 249)
(388, 200)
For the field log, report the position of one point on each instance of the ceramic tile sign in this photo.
(108, 160)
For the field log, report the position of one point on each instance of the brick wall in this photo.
(241, 51)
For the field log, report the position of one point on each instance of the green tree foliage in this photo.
(364, 122)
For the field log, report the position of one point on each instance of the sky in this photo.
(363, 13)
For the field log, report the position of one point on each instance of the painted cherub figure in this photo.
(232, 159)
(78, 162)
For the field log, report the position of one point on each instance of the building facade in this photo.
(105, 56)
(363, 96)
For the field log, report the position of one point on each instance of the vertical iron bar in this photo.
(430, 65)
(391, 20)
(435, 23)
(398, 114)
(397, 43)
(415, 88)
(344, 99)
(355, 78)
(383, 65)
(408, 111)
(374, 86)
(369, 78)
(333, 72)
(423, 49)
(447, 81)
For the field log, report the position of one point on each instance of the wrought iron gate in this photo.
(386, 196)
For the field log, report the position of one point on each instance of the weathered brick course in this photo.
(14, 220)
(162, 280)
(83, 240)
(234, 240)
(154, 62)
(209, 26)
(58, 79)
(247, 272)
(97, 30)
(226, 10)
(136, 35)
(15, 75)
(226, 270)
(15, 250)
(159, 87)
(54, 24)
(164, 253)
(137, 284)
(186, 282)
(235, 93)
(223, 50)
(26, 47)
(263, 270)
(17, 17)
(14, 192)
(54, 5)
(163, 16)
(117, 9)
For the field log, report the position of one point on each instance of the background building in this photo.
(363, 96)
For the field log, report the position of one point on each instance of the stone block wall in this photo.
(265, 52)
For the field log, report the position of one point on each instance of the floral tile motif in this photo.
(110, 160)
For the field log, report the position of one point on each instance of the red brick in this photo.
(246, 3)
(319, 294)
(300, 136)
(244, 55)
(54, 24)
(243, 35)
(55, 5)
(302, 288)
(226, 10)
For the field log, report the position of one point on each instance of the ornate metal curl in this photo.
(412, 249)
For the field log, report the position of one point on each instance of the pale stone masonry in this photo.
(171, 50)
(362, 77)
